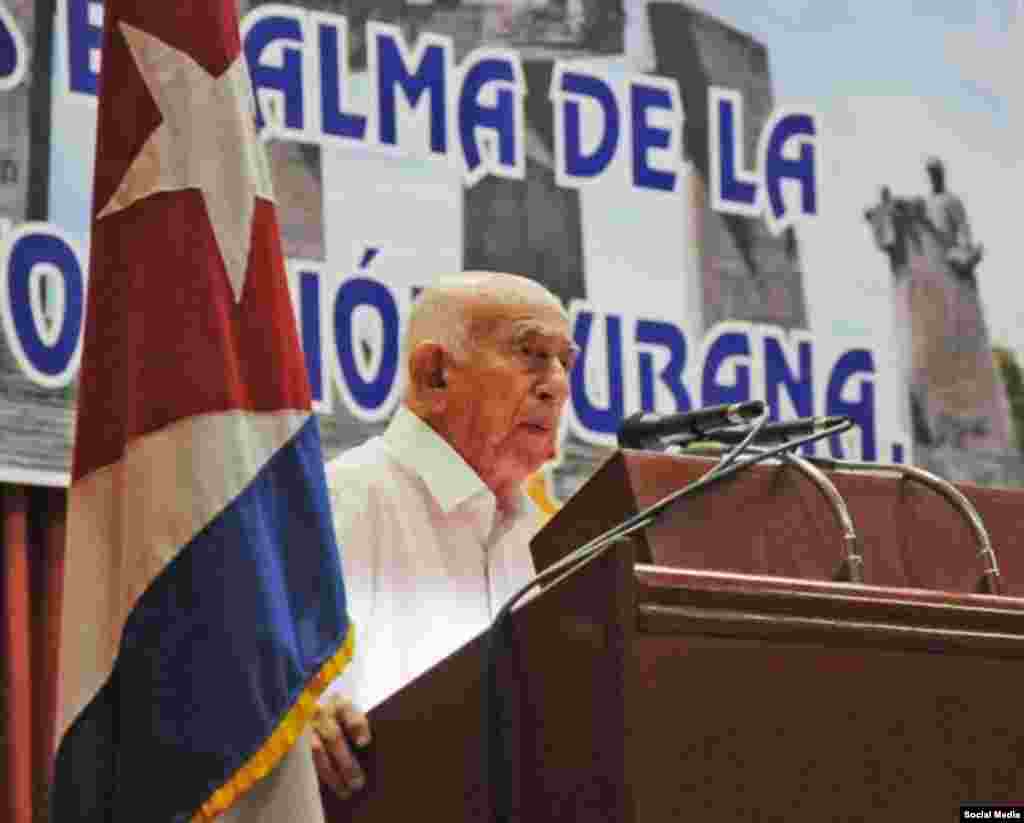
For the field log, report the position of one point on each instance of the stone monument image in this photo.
(746, 272)
(956, 401)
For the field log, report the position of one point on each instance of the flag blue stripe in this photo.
(217, 650)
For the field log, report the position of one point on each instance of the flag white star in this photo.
(206, 141)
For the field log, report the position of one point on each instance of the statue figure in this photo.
(954, 401)
(946, 212)
(883, 223)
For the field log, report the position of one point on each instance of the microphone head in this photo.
(629, 435)
(748, 410)
(781, 431)
(643, 429)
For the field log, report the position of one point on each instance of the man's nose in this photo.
(553, 386)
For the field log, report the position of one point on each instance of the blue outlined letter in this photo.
(425, 71)
(671, 339)
(84, 27)
(277, 86)
(42, 303)
(781, 380)
(654, 94)
(783, 128)
(599, 373)
(368, 369)
(726, 347)
(854, 368)
(734, 189)
(13, 51)
(497, 75)
(332, 40)
(570, 92)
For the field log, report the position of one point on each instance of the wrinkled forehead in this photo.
(553, 331)
(520, 317)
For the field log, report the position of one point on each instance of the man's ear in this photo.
(428, 371)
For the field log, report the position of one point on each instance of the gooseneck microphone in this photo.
(779, 432)
(638, 430)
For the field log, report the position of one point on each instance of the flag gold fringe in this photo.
(282, 738)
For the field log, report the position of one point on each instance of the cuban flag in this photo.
(204, 608)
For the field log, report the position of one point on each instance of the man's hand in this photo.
(338, 726)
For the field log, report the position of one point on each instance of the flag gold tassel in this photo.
(281, 740)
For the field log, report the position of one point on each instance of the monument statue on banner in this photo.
(948, 216)
(957, 405)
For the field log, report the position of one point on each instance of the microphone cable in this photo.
(740, 448)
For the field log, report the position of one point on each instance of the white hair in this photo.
(445, 312)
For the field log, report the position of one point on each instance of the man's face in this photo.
(506, 400)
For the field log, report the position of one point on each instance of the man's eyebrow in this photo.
(525, 329)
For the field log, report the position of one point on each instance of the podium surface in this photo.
(800, 701)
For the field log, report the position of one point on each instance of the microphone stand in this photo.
(851, 568)
(493, 720)
(990, 581)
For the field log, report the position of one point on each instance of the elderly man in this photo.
(432, 517)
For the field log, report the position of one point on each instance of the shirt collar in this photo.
(420, 449)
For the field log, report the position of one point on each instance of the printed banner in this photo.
(800, 205)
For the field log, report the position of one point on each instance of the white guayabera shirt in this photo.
(428, 559)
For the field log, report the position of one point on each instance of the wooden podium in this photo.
(639, 692)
